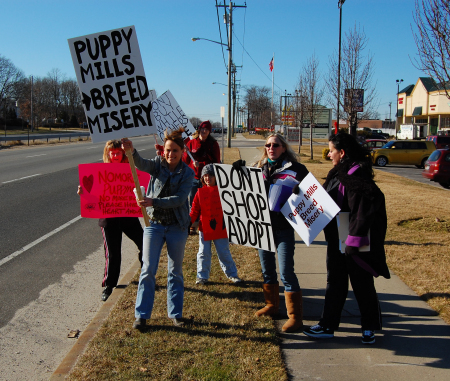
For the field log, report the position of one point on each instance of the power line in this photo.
(220, 33)
(243, 42)
(262, 71)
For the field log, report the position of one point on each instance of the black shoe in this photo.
(177, 322)
(106, 292)
(317, 331)
(368, 337)
(139, 323)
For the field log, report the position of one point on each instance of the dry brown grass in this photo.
(252, 136)
(222, 341)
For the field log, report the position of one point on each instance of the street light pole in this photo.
(396, 115)
(230, 69)
(340, 3)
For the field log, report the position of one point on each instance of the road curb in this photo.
(85, 337)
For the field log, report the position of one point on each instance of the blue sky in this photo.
(35, 32)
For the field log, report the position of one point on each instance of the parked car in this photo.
(403, 152)
(440, 141)
(375, 136)
(437, 167)
(374, 143)
(379, 132)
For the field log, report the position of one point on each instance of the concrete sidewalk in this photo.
(414, 343)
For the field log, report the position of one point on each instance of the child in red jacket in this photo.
(206, 204)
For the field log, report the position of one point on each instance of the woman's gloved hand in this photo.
(238, 164)
(296, 189)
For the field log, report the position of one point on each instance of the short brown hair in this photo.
(175, 136)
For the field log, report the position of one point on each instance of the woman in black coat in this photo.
(350, 184)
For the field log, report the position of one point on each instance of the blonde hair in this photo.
(113, 144)
(290, 154)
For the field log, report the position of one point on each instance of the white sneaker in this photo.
(235, 279)
(201, 281)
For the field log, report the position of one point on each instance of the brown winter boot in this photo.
(294, 310)
(272, 298)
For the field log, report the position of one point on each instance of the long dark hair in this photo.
(354, 152)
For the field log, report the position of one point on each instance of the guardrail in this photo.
(34, 137)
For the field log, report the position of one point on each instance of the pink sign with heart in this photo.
(107, 190)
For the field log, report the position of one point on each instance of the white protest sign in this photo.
(311, 210)
(169, 116)
(245, 206)
(111, 78)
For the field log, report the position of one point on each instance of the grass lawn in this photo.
(223, 340)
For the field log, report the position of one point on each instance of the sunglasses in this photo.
(274, 145)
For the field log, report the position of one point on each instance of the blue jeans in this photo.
(154, 237)
(204, 257)
(284, 244)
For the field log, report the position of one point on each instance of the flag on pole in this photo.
(271, 64)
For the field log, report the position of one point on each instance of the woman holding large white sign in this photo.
(168, 211)
(355, 239)
(279, 162)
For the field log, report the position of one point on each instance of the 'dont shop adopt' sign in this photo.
(245, 206)
(112, 83)
(311, 210)
(108, 190)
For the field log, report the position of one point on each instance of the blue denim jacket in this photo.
(180, 186)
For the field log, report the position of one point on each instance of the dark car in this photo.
(376, 136)
(437, 167)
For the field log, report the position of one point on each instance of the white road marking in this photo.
(39, 240)
(42, 154)
(26, 177)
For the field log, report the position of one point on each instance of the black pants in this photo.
(112, 230)
(339, 269)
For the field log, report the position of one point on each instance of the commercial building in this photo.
(425, 106)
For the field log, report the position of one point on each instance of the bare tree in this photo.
(357, 72)
(300, 107)
(432, 18)
(10, 75)
(259, 105)
(195, 121)
(313, 91)
(54, 79)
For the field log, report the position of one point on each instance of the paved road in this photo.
(55, 285)
(38, 196)
(408, 171)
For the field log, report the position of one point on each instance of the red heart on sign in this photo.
(88, 182)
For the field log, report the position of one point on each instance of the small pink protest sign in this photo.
(107, 190)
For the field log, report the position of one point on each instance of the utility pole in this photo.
(340, 3)
(32, 121)
(230, 45)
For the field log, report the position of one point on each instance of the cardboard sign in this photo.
(111, 78)
(169, 116)
(311, 210)
(108, 190)
(245, 206)
(213, 222)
